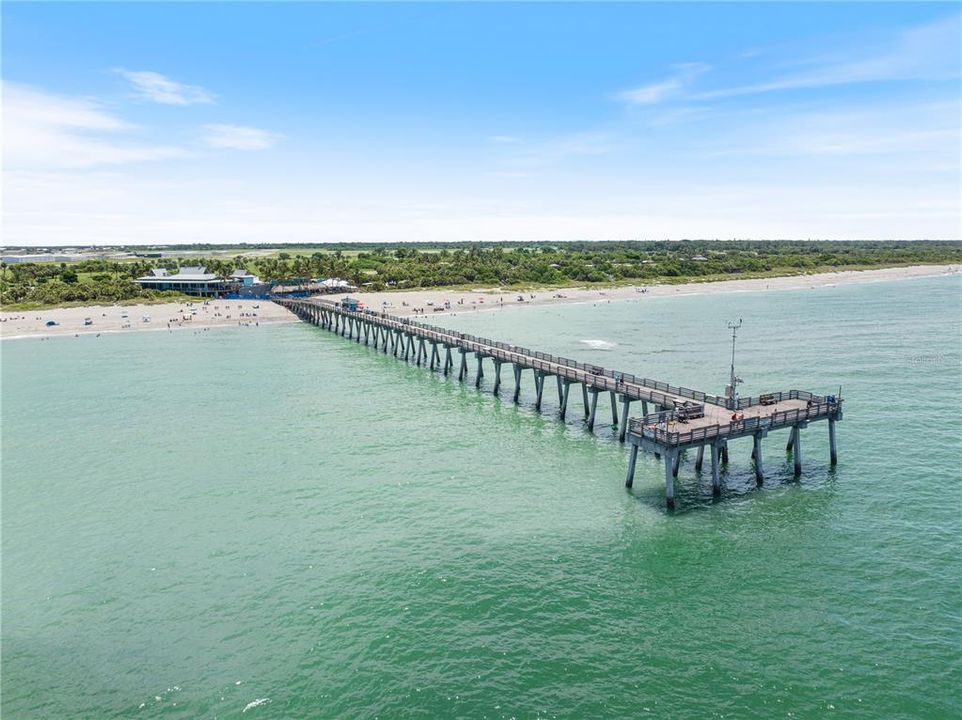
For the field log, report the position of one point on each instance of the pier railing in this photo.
(656, 426)
(600, 378)
(606, 379)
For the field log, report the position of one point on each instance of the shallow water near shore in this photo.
(278, 522)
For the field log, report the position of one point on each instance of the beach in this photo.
(128, 318)
(419, 303)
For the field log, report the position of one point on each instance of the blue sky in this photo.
(168, 123)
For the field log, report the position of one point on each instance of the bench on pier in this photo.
(768, 399)
(689, 411)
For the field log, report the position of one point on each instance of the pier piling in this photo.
(833, 451)
(670, 479)
(715, 471)
(757, 457)
(797, 452)
(632, 458)
(594, 408)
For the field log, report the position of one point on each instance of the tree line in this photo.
(407, 266)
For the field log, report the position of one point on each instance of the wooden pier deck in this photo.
(673, 418)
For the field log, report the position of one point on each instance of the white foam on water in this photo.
(255, 703)
(598, 344)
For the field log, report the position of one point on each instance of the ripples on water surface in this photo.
(277, 523)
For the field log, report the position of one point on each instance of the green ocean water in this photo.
(276, 522)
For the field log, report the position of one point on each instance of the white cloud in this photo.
(42, 130)
(926, 52)
(158, 88)
(114, 208)
(658, 92)
(238, 137)
(923, 134)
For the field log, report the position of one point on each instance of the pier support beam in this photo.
(560, 382)
(699, 458)
(613, 396)
(670, 457)
(623, 428)
(517, 382)
(539, 377)
(594, 408)
(480, 373)
(564, 401)
(448, 362)
(497, 375)
(715, 471)
(832, 449)
(584, 398)
(463, 369)
(797, 451)
(757, 455)
(632, 458)
(724, 452)
(676, 463)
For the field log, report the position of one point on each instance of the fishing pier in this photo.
(673, 419)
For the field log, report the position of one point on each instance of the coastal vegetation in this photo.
(508, 265)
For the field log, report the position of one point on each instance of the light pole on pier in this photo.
(733, 382)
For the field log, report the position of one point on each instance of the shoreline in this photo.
(408, 303)
(25, 324)
(429, 303)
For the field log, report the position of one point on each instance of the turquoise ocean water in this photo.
(275, 522)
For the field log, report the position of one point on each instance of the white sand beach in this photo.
(424, 303)
(421, 303)
(124, 318)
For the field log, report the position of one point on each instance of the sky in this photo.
(154, 123)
